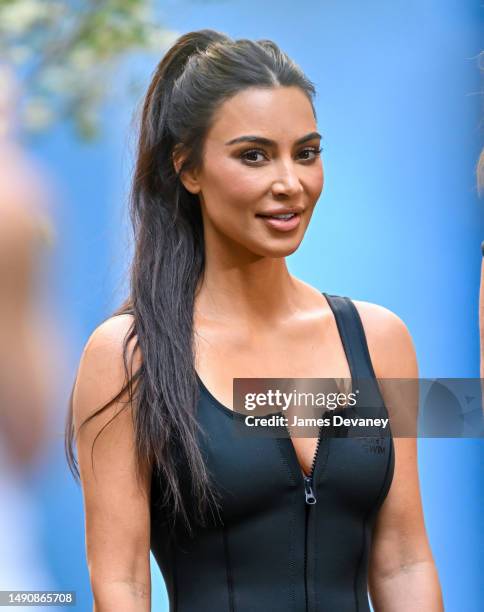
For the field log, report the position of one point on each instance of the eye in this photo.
(314, 150)
(250, 156)
(251, 152)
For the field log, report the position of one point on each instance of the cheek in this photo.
(315, 182)
(231, 188)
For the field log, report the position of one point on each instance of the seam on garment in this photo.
(383, 488)
(325, 444)
(315, 561)
(228, 569)
(358, 567)
(292, 553)
(387, 481)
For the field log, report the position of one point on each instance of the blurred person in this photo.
(480, 187)
(227, 176)
(480, 184)
(481, 315)
(26, 376)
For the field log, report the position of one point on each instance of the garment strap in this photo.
(352, 336)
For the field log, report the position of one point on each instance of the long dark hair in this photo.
(200, 71)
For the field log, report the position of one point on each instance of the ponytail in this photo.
(199, 72)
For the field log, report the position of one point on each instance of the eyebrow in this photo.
(269, 142)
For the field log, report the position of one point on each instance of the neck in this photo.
(251, 289)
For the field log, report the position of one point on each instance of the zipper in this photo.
(309, 495)
(306, 558)
(308, 490)
(310, 499)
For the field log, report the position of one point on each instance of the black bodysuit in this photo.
(274, 549)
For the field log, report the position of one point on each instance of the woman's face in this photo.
(261, 157)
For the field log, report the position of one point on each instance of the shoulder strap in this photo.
(352, 336)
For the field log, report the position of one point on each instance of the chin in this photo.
(281, 250)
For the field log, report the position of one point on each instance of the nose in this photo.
(287, 180)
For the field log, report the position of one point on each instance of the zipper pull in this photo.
(308, 490)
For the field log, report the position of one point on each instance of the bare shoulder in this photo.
(116, 500)
(101, 372)
(110, 334)
(389, 341)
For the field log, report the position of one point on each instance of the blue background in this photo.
(399, 223)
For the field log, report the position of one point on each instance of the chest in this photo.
(307, 349)
(257, 474)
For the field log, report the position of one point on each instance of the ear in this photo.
(188, 178)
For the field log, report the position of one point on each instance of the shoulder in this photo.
(104, 347)
(115, 478)
(101, 373)
(389, 341)
(108, 337)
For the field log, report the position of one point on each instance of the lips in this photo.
(281, 221)
(280, 212)
(284, 217)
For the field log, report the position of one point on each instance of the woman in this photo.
(228, 138)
